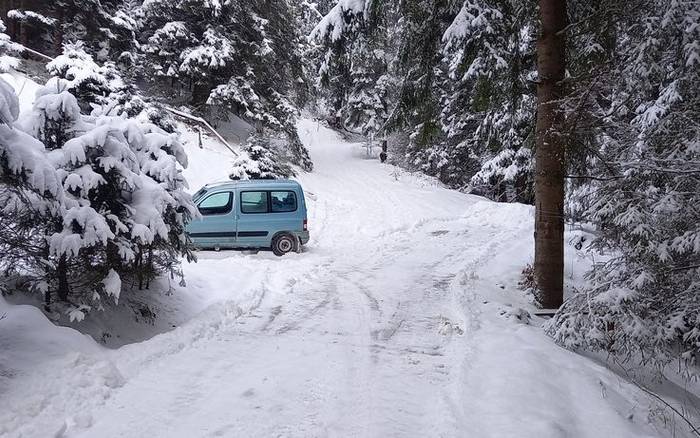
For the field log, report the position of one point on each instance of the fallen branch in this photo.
(595, 178)
(651, 393)
(34, 52)
(693, 428)
(204, 123)
(684, 268)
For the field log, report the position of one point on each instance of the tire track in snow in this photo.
(364, 342)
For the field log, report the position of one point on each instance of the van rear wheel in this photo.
(283, 244)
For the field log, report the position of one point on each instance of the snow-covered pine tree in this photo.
(334, 34)
(635, 113)
(55, 116)
(8, 51)
(259, 160)
(488, 105)
(29, 24)
(308, 14)
(367, 102)
(123, 212)
(30, 189)
(228, 56)
(415, 39)
(417, 111)
(103, 87)
(105, 27)
(353, 69)
(463, 90)
(92, 84)
(507, 177)
(23, 161)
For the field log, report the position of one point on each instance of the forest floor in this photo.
(401, 317)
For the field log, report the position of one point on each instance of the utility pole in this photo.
(550, 155)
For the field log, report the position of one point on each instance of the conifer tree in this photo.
(105, 27)
(122, 212)
(488, 105)
(630, 122)
(259, 160)
(8, 51)
(228, 56)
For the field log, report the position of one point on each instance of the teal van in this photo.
(250, 214)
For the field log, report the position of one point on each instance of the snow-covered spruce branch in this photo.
(602, 12)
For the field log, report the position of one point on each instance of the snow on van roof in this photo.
(253, 182)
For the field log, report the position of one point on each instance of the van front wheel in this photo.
(283, 244)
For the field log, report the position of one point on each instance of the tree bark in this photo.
(550, 155)
(62, 274)
(11, 23)
(58, 34)
(23, 38)
(5, 6)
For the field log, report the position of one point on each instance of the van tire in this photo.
(283, 244)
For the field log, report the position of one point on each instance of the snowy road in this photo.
(398, 320)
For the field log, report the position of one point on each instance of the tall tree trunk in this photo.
(11, 23)
(23, 38)
(550, 155)
(62, 274)
(58, 34)
(5, 6)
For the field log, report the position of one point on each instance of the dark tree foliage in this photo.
(242, 56)
(623, 116)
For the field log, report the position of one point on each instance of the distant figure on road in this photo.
(382, 155)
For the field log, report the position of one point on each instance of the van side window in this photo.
(254, 202)
(282, 202)
(218, 203)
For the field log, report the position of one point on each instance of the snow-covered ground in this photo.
(402, 317)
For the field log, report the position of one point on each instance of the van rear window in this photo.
(283, 201)
(279, 201)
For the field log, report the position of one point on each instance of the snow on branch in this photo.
(335, 23)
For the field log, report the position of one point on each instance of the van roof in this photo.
(253, 183)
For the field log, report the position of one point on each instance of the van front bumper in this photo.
(303, 236)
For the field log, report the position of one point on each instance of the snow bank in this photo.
(49, 375)
(25, 88)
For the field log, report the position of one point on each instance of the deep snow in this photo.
(400, 318)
